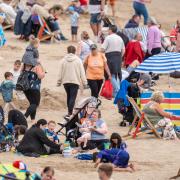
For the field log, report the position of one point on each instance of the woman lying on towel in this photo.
(158, 117)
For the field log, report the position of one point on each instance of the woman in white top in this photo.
(83, 49)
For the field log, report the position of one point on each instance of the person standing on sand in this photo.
(140, 9)
(71, 75)
(114, 49)
(153, 37)
(96, 11)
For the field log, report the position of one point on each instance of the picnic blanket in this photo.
(171, 103)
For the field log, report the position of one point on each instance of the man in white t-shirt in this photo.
(96, 10)
(114, 49)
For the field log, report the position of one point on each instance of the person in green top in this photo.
(158, 117)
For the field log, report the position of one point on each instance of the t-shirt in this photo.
(52, 134)
(95, 66)
(16, 75)
(140, 1)
(74, 19)
(94, 6)
(113, 43)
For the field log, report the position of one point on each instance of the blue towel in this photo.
(2, 37)
(123, 91)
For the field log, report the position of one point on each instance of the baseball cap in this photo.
(93, 46)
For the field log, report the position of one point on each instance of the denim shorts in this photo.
(95, 18)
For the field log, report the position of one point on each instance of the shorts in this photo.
(74, 30)
(112, 2)
(95, 18)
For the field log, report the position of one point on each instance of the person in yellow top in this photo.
(95, 64)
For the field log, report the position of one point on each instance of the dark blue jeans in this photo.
(140, 9)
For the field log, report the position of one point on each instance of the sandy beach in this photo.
(154, 159)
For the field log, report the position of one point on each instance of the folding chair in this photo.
(44, 32)
(8, 23)
(142, 119)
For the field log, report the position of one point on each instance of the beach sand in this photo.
(154, 159)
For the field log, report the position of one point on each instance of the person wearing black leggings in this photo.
(33, 94)
(71, 75)
(95, 65)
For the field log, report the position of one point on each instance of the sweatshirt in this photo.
(72, 70)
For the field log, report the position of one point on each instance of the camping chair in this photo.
(44, 32)
(149, 128)
(177, 176)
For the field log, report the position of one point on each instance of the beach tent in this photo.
(163, 63)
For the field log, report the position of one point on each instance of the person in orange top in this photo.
(95, 64)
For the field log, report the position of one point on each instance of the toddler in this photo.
(31, 55)
(86, 133)
(6, 89)
(74, 23)
(51, 133)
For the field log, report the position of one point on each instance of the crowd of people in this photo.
(86, 66)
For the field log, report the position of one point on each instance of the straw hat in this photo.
(152, 20)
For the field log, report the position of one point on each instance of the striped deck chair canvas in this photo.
(131, 32)
(171, 103)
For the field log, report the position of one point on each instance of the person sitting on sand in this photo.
(105, 171)
(98, 132)
(50, 132)
(158, 117)
(86, 134)
(116, 141)
(36, 143)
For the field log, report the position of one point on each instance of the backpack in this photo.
(23, 83)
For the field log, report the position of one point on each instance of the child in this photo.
(86, 134)
(6, 89)
(16, 71)
(31, 55)
(50, 132)
(2, 37)
(105, 171)
(74, 23)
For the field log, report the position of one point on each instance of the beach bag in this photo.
(107, 90)
(23, 83)
(175, 74)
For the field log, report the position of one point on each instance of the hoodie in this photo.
(30, 56)
(6, 89)
(71, 71)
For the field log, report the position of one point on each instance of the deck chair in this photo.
(8, 23)
(140, 119)
(177, 176)
(44, 32)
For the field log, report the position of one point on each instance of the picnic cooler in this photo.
(171, 103)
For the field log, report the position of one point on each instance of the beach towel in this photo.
(84, 156)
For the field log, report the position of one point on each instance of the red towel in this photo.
(133, 52)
